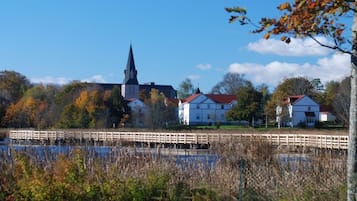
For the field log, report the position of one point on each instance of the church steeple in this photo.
(130, 86)
(130, 71)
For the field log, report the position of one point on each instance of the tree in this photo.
(186, 89)
(341, 102)
(248, 105)
(12, 87)
(118, 108)
(32, 110)
(156, 104)
(309, 18)
(230, 84)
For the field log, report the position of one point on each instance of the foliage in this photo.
(33, 109)
(161, 111)
(248, 105)
(304, 18)
(230, 84)
(12, 87)
(186, 89)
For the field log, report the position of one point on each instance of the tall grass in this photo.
(125, 174)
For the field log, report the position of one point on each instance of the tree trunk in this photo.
(352, 156)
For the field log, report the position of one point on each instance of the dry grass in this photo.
(320, 176)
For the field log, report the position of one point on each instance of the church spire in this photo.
(130, 71)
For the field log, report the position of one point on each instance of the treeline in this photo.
(87, 105)
(74, 105)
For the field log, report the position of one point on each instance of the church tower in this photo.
(130, 86)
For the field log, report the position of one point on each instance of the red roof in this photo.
(218, 98)
(222, 98)
(325, 108)
(190, 98)
(293, 99)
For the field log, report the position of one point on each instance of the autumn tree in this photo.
(160, 110)
(310, 18)
(12, 87)
(34, 109)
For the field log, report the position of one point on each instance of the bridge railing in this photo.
(308, 140)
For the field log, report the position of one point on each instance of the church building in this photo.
(130, 88)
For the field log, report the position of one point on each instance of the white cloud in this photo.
(63, 80)
(194, 77)
(297, 47)
(95, 79)
(204, 66)
(50, 80)
(335, 67)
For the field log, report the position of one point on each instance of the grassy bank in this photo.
(249, 171)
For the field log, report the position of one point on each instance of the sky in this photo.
(88, 40)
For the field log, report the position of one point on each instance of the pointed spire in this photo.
(130, 71)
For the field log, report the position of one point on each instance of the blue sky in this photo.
(61, 41)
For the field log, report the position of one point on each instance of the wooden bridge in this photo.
(328, 141)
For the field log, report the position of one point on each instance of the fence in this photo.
(306, 140)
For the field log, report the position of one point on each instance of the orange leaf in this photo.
(267, 36)
(285, 6)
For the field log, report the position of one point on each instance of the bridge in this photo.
(327, 141)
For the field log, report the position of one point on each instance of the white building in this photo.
(205, 109)
(325, 114)
(298, 110)
(138, 112)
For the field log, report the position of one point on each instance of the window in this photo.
(208, 116)
(197, 117)
(222, 107)
(197, 106)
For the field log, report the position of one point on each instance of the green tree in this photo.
(117, 107)
(309, 18)
(248, 104)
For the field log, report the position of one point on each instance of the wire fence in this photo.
(296, 177)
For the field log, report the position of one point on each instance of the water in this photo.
(182, 156)
(191, 157)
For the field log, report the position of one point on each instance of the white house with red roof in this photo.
(326, 114)
(205, 109)
(298, 110)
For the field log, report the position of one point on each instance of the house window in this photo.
(222, 107)
(198, 106)
(308, 108)
(197, 117)
(208, 116)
